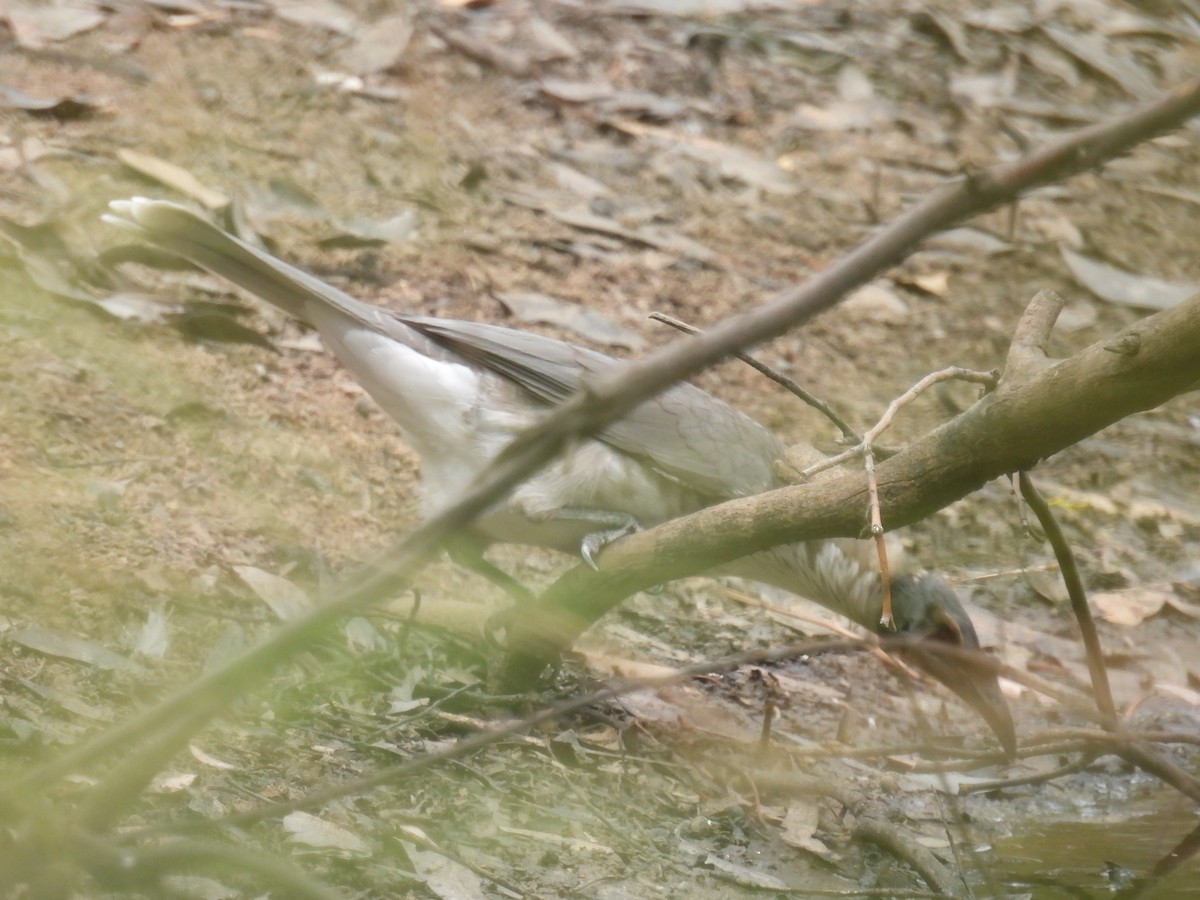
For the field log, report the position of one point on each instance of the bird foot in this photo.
(593, 543)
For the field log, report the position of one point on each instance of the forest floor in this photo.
(178, 464)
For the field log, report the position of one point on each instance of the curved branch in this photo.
(1032, 415)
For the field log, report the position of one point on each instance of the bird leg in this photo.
(468, 552)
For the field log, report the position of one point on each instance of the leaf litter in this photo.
(687, 193)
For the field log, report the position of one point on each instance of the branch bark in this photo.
(1033, 414)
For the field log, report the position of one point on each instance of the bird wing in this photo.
(685, 433)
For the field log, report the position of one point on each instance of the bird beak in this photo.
(941, 640)
(976, 684)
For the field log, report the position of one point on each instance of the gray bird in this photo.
(461, 390)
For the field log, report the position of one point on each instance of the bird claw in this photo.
(593, 543)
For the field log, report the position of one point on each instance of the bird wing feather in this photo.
(685, 433)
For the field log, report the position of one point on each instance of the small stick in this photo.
(886, 621)
(848, 433)
(864, 449)
(1140, 755)
(888, 659)
(1071, 768)
(1083, 614)
(953, 372)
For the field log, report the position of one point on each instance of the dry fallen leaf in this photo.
(35, 23)
(530, 306)
(1093, 51)
(362, 232)
(744, 875)
(1182, 606)
(286, 600)
(444, 877)
(799, 827)
(172, 176)
(1183, 693)
(856, 109)
(69, 646)
(172, 782)
(1118, 286)
(310, 831)
(731, 162)
(71, 106)
(660, 238)
(552, 44)
(152, 638)
(1130, 606)
(379, 45)
(209, 760)
(321, 13)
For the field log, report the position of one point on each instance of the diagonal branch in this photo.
(1030, 416)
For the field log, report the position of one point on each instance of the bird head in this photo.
(924, 607)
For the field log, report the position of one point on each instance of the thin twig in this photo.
(1177, 856)
(983, 787)
(1140, 755)
(903, 846)
(1079, 603)
(953, 372)
(886, 621)
(865, 449)
(848, 434)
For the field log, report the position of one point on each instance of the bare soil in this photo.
(141, 462)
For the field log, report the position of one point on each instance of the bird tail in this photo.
(428, 391)
(186, 234)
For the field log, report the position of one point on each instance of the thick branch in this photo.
(1024, 421)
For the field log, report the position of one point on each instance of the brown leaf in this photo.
(732, 162)
(1130, 606)
(551, 43)
(1092, 50)
(285, 599)
(575, 91)
(1175, 690)
(310, 831)
(648, 235)
(857, 109)
(1182, 606)
(799, 828)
